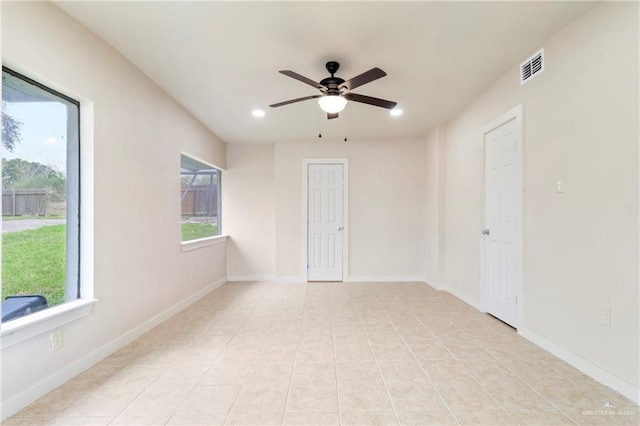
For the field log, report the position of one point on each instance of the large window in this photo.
(199, 199)
(40, 196)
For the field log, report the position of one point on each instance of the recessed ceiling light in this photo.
(396, 112)
(257, 113)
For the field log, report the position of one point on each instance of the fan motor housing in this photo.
(332, 82)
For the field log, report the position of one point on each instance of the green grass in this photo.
(33, 262)
(194, 231)
(10, 218)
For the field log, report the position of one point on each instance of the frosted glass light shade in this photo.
(332, 103)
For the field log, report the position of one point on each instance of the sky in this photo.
(44, 133)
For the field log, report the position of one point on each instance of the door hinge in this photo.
(516, 300)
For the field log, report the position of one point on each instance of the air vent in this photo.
(532, 66)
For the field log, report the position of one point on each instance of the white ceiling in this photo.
(220, 60)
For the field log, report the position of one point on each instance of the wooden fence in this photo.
(25, 202)
(201, 200)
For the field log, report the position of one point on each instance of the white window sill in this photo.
(203, 242)
(24, 328)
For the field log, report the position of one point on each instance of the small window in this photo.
(199, 199)
(40, 196)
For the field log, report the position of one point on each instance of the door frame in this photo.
(515, 113)
(345, 212)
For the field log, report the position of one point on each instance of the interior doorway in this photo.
(502, 233)
(326, 231)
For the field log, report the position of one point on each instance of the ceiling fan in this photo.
(336, 91)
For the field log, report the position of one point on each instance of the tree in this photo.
(21, 174)
(10, 130)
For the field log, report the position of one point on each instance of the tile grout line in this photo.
(293, 368)
(264, 317)
(518, 376)
(235, 400)
(554, 405)
(166, 367)
(465, 368)
(499, 362)
(384, 382)
(418, 362)
(335, 357)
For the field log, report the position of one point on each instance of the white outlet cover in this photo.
(56, 340)
(605, 316)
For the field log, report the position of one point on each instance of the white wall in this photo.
(580, 247)
(434, 267)
(249, 212)
(386, 188)
(139, 132)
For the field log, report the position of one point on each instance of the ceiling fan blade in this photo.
(279, 104)
(371, 101)
(332, 115)
(303, 79)
(364, 78)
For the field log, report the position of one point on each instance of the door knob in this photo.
(340, 228)
(485, 232)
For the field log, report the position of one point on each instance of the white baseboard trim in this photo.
(31, 394)
(465, 298)
(591, 370)
(251, 278)
(287, 280)
(597, 373)
(377, 279)
(436, 285)
(266, 278)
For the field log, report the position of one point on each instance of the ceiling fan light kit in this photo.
(336, 91)
(332, 104)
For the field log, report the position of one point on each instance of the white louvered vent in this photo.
(532, 66)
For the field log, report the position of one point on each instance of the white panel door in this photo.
(501, 239)
(324, 226)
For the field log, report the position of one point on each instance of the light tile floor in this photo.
(330, 353)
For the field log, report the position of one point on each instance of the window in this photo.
(199, 199)
(40, 197)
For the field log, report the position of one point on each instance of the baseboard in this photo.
(597, 373)
(592, 370)
(266, 278)
(465, 298)
(18, 402)
(251, 278)
(436, 285)
(378, 279)
(287, 280)
(294, 279)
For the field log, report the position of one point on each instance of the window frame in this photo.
(81, 237)
(220, 238)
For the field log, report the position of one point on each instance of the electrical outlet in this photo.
(193, 274)
(55, 341)
(605, 316)
(560, 186)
